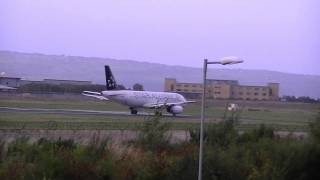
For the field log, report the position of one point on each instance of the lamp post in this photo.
(223, 61)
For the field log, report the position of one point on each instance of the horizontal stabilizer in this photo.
(186, 102)
(94, 94)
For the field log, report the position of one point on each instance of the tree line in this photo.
(70, 88)
(303, 99)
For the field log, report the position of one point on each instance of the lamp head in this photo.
(230, 60)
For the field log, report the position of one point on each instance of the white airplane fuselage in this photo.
(141, 99)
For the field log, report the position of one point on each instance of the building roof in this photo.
(26, 80)
(6, 87)
(5, 77)
(65, 80)
(222, 80)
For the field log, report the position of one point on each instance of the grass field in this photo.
(289, 116)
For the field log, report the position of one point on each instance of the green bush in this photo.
(315, 128)
(263, 132)
(222, 134)
(60, 159)
(154, 135)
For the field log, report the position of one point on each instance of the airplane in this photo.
(172, 102)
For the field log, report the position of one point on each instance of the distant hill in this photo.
(151, 75)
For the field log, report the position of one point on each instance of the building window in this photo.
(178, 85)
(256, 94)
(217, 93)
(194, 85)
(171, 87)
(256, 89)
(186, 85)
(264, 94)
(248, 93)
(240, 93)
(178, 89)
(186, 90)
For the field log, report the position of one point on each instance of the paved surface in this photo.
(83, 112)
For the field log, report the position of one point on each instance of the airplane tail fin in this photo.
(110, 81)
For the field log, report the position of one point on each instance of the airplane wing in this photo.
(94, 94)
(187, 102)
(159, 105)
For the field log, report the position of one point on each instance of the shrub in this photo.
(315, 128)
(222, 134)
(263, 132)
(154, 135)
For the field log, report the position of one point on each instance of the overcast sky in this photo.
(281, 35)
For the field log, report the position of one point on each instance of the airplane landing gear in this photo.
(158, 113)
(133, 111)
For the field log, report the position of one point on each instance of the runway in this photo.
(85, 112)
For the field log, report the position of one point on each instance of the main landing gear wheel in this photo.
(158, 113)
(133, 111)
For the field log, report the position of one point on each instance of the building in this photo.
(10, 81)
(224, 89)
(25, 81)
(4, 88)
(17, 82)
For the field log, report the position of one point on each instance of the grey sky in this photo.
(282, 35)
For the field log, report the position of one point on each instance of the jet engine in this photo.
(175, 109)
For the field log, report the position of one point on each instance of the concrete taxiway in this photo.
(84, 112)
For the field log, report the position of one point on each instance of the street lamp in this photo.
(223, 61)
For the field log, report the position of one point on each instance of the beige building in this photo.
(224, 89)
